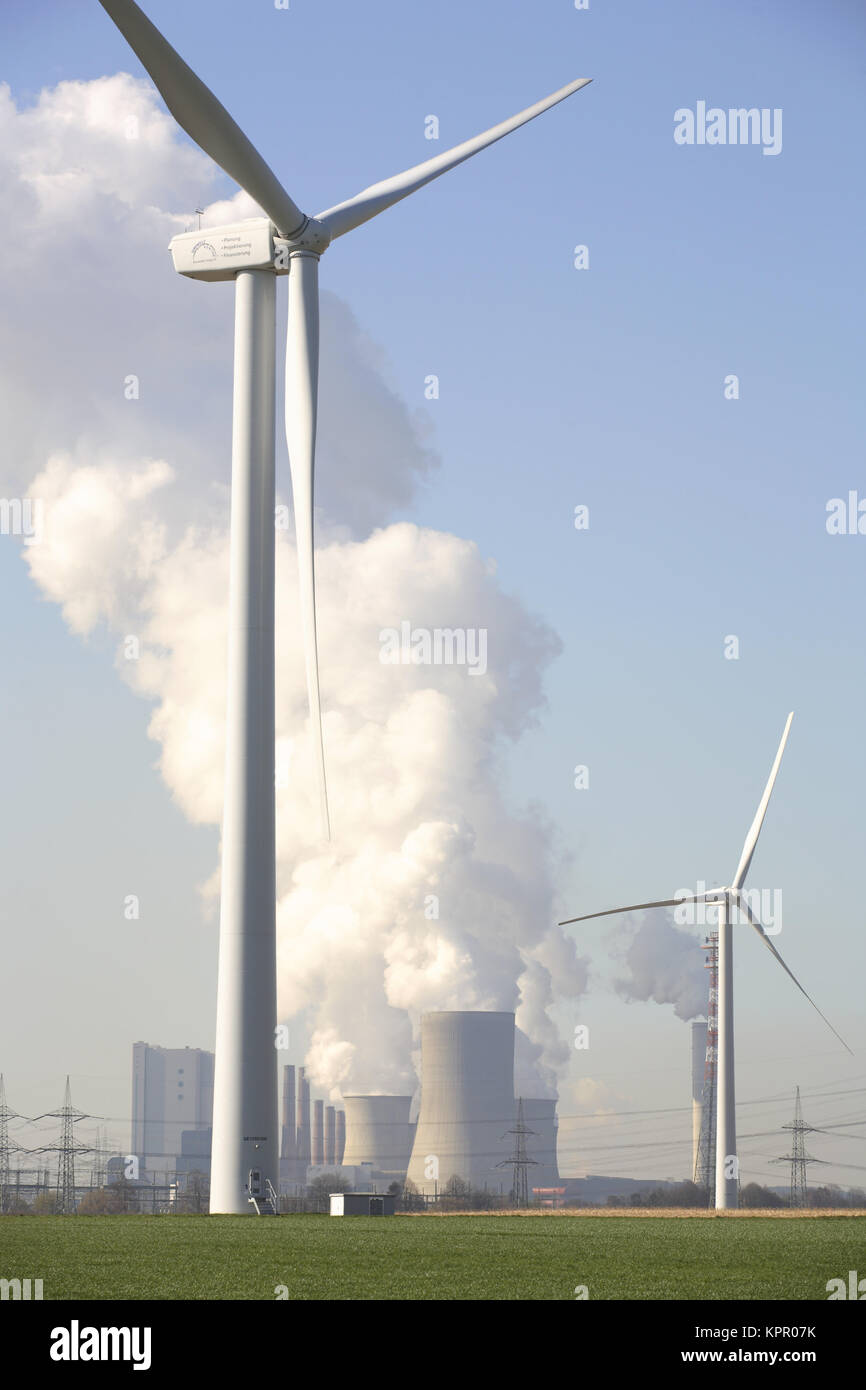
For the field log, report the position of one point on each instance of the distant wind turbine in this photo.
(251, 253)
(728, 899)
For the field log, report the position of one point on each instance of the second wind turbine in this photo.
(730, 900)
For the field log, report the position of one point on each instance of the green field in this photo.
(431, 1258)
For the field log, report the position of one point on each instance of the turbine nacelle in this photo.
(220, 253)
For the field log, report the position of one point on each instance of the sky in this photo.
(610, 647)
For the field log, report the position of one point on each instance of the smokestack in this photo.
(303, 1136)
(340, 1141)
(318, 1140)
(288, 1137)
(699, 1057)
(330, 1136)
(467, 1099)
(540, 1116)
(377, 1132)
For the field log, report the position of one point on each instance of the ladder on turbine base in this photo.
(267, 1204)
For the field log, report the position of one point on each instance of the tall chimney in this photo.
(699, 1056)
(340, 1143)
(318, 1140)
(330, 1135)
(303, 1136)
(288, 1145)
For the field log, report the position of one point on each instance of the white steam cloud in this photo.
(666, 965)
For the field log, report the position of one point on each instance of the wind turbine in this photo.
(729, 899)
(252, 253)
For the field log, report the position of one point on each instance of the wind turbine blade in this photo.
(302, 386)
(379, 196)
(759, 928)
(205, 120)
(752, 837)
(715, 895)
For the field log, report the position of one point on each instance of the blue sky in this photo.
(557, 387)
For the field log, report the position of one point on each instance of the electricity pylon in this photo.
(798, 1158)
(518, 1162)
(66, 1150)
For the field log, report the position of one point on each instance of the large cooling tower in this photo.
(377, 1132)
(540, 1116)
(467, 1100)
(699, 1055)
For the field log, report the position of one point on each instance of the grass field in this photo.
(433, 1258)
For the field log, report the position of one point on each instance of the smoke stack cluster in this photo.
(311, 1133)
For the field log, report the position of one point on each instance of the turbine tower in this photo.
(284, 241)
(732, 902)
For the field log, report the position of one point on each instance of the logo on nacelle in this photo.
(204, 251)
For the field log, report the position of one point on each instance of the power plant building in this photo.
(172, 1092)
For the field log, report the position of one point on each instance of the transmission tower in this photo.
(66, 1150)
(518, 1162)
(705, 1167)
(7, 1146)
(798, 1158)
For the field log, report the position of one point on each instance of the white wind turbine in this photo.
(729, 900)
(251, 253)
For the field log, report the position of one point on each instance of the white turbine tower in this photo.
(730, 900)
(251, 253)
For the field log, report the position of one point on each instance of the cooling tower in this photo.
(340, 1145)
(288, 1137)
(467, 1100)
(317, 1143)
(699, 1057)
(303, 1140)
(377, 1132)
(540, 1116)
(330, 1136)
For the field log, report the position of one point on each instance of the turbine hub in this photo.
(313, 236)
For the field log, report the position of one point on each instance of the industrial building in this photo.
(172, 1093)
